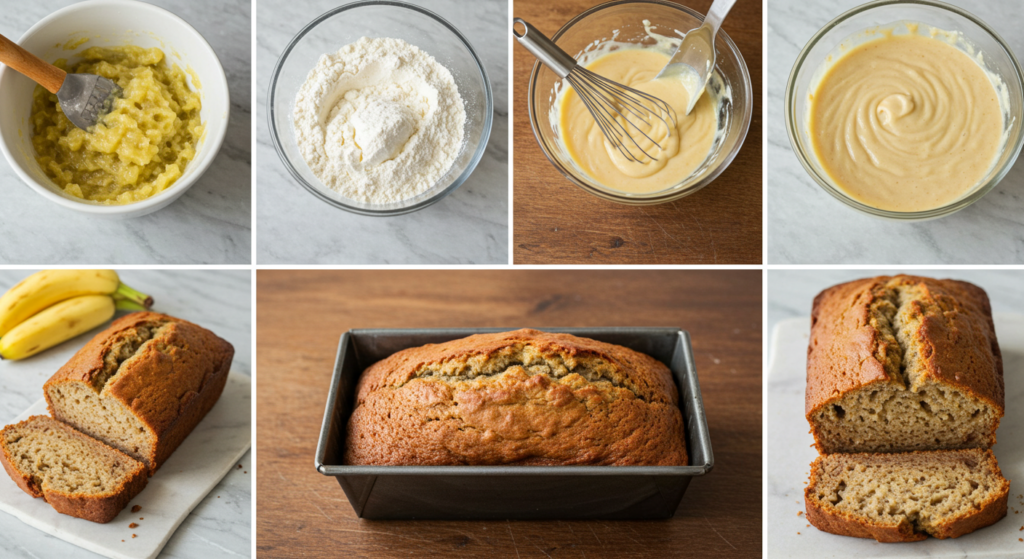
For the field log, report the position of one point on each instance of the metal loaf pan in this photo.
(512, 492)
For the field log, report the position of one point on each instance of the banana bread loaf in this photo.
(75, 473)
(523, 397)
(904, 497)
(903, 363)
(142, 385)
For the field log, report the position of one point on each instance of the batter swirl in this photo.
(906, 123)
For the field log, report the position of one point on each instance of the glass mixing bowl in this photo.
(998, 59)
(396, 20)
(626, 17)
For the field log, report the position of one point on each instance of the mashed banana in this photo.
(137, 150)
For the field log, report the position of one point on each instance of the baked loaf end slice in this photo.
(142, 385)
(903, 363)
(75, 473)
(906, 497)
(524, 397)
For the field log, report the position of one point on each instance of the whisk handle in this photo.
(543, 48)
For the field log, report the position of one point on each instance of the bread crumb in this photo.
(122, 540)
(808, 525)
(798, 533)
(239, 466)
(136, 508)
(245, 472)
(218, 496)
(801, 513)
(140, 518)
(133, 525)
(134, 536)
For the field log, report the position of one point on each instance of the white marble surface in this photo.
(210, 452)
(209, 224)
(790, 293)
(220, 526)
(807, 226)
(791, 455)
(468, 227)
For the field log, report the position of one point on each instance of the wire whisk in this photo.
(624, 115)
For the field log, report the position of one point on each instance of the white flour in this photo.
(379, 121)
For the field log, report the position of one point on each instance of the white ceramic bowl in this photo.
(112, 23)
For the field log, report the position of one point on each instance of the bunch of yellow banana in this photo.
(53, 306)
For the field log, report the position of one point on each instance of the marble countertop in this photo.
(209, 224)
(790, 292)
(220, 526)
(468, 227)
(807, 226)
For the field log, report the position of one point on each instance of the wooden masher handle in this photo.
(46, 75)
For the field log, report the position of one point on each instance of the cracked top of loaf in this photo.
(903, 329)
(154, 363)
(524, 397)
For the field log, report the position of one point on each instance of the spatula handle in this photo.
(46, 75)
(719, 9)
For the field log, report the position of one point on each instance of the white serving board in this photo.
(790, 455)
(195, 468)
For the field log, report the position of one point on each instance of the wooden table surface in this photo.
(301, 315)
(556, 222)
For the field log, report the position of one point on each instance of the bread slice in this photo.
(907, 496)
(75, 473)
(903, 363)
(142, 385)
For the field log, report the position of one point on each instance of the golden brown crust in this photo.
(845, 524)
(829, 519)
(956, 335)
(524, 397)
(22, 479)
(100, 508)
(841, 355)
(170, 384)
(990, 513)
(651, 378)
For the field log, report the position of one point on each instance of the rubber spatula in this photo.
(694, 60)
(84, 98)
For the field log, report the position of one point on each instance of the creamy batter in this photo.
(906, 122)
(683, 147)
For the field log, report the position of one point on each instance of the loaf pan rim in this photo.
(335, 470)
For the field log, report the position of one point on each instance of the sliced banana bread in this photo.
(142, 385)
(75, 473)
(903, 363)
(908, 496)
(523, 397)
